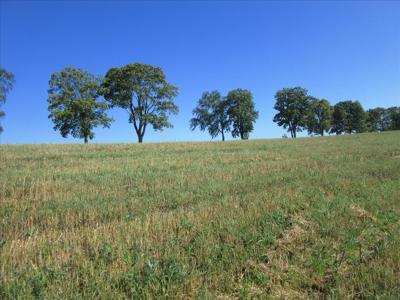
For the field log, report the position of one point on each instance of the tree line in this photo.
(298, 111)
(79, 101)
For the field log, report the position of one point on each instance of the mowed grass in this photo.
(305, 218)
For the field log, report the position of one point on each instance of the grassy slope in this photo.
(305, 218)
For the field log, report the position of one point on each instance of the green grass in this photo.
(305, 218)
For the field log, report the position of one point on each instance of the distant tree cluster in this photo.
(298, 111)
(233, 113)
(383, 119)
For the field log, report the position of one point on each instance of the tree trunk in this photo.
(223, 136)
(140, 138)
(292, 134)
(85, 139)
(139, 128)
(139, 132)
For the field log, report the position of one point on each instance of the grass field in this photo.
(305, 218)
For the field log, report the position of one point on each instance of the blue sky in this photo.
(337, 50)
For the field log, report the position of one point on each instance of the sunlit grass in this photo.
(305, 218)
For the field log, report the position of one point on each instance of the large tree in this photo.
(319, 116)
(375, 119)
(396, 120)
(211, 114)
(348, 117)
(242, 113)
(391, 117)
(141, 90)
(381, 119)
(6, 84)
(73, 103)
(292, 105)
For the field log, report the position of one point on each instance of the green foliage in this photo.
(6, 83)
(1, 116)
(242, 113)
(348, 117)
(211, 114)
(73, 104)
(292, 105)
(382, 119)
(319, 116)
(217, 114)
(392, 115)
(375, 119)
(142, 90)
(396, 121)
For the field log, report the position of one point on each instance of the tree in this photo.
(381, 119)
(292, 105)
(6, 84)
(319, 116)
(241, 112)
(375, 119)
(348, 117)
(73, 103)
(141, 90)
(396, 120)
(391, 116)
(211, 113)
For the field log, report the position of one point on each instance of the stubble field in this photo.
(296, 219)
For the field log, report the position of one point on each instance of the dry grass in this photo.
(293, 219)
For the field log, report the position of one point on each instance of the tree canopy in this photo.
(73, 103)
(6, 84)
(391, 117)
(292, 105)
(242, 113)
(141, 90)
(396, 120)
(211, 114)
(375, 119)
(348, 117)
(319, 116)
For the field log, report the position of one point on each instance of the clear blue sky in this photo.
(337, 50)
